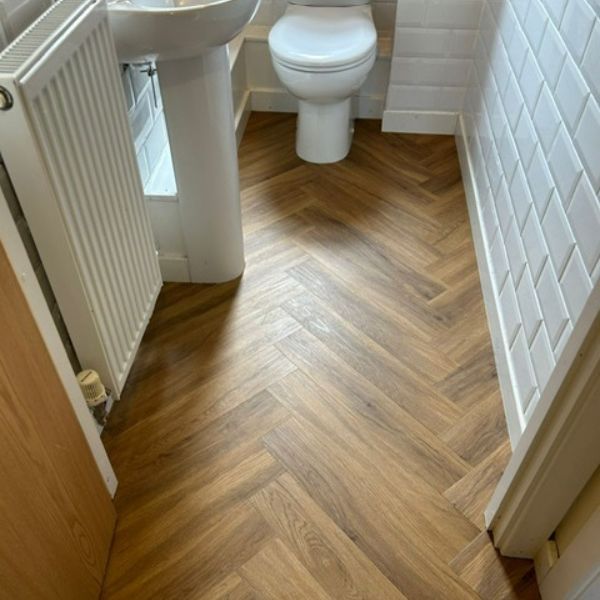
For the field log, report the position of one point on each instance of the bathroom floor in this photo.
(330, 426)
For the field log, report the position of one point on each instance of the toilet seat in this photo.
(325, 69)
(323, 39)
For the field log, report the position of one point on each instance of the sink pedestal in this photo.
(197, 100)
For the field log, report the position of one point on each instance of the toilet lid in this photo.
(323, 37)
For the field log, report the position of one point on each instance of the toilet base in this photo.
(324, 131)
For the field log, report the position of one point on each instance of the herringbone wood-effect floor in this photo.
(329, 426)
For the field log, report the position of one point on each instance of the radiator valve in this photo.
(98, 398)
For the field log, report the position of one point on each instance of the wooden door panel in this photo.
(56, 516)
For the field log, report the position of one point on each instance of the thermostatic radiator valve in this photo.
(99, 399)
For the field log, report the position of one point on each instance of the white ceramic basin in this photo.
(174, 29)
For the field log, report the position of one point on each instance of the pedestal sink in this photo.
(187, 39)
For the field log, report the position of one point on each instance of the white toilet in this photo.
(322, 51)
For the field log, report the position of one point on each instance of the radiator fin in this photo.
(36, 37)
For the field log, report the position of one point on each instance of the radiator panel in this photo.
(71, 100)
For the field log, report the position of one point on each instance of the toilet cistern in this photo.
(323, 51)
(187, 39)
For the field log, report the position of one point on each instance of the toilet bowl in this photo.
(322, 55)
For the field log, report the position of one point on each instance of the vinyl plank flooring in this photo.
(471, 494)
(329, 425)
(196, 562)
(479, 432)
(275, 563)
(197, 446)
(384, 327)
(342, 570)
(140, 544)
(390, 375)
(233, 587)
(189, 402)
(342, 484)
(422, 451)
(348, 428)
(492, 576)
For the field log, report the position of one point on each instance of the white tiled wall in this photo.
(433, 49)
(532, 120)
(383, 14)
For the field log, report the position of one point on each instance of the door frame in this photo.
(19, 260)
(559, 449)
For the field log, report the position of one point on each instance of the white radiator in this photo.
(68, 150)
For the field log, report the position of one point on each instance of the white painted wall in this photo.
(532, 123)
(434, 41)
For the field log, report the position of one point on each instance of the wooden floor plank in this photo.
(393, 377)
(479, 432)
(492, 576)
(422, 451)
(198, 447)
(342, 570)
(274, 564)
(190, 564)
(344, 486)
(140, 544)
(384, 327)
(377, 449)
(329, 425)
(233, 587)
(471, 494)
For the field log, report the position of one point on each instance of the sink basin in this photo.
(172, 29)
(187, 40)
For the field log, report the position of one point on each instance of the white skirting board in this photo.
(242, 114)
(174, 268)
(489, 295)
(402, 121)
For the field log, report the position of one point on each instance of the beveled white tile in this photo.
(534, 244)
(557, 234)
(576, 26)
(576, 286)
(584, 216)
(546, 118)
(565, 165)
(509, 312)
(520, 196)
(591, 60)
(587, 140)
(551, 55)
(531, 316)
(551, 302)
(515, 253)
(542, 358)
(571, 94)
(540, 180)
(523, 371)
